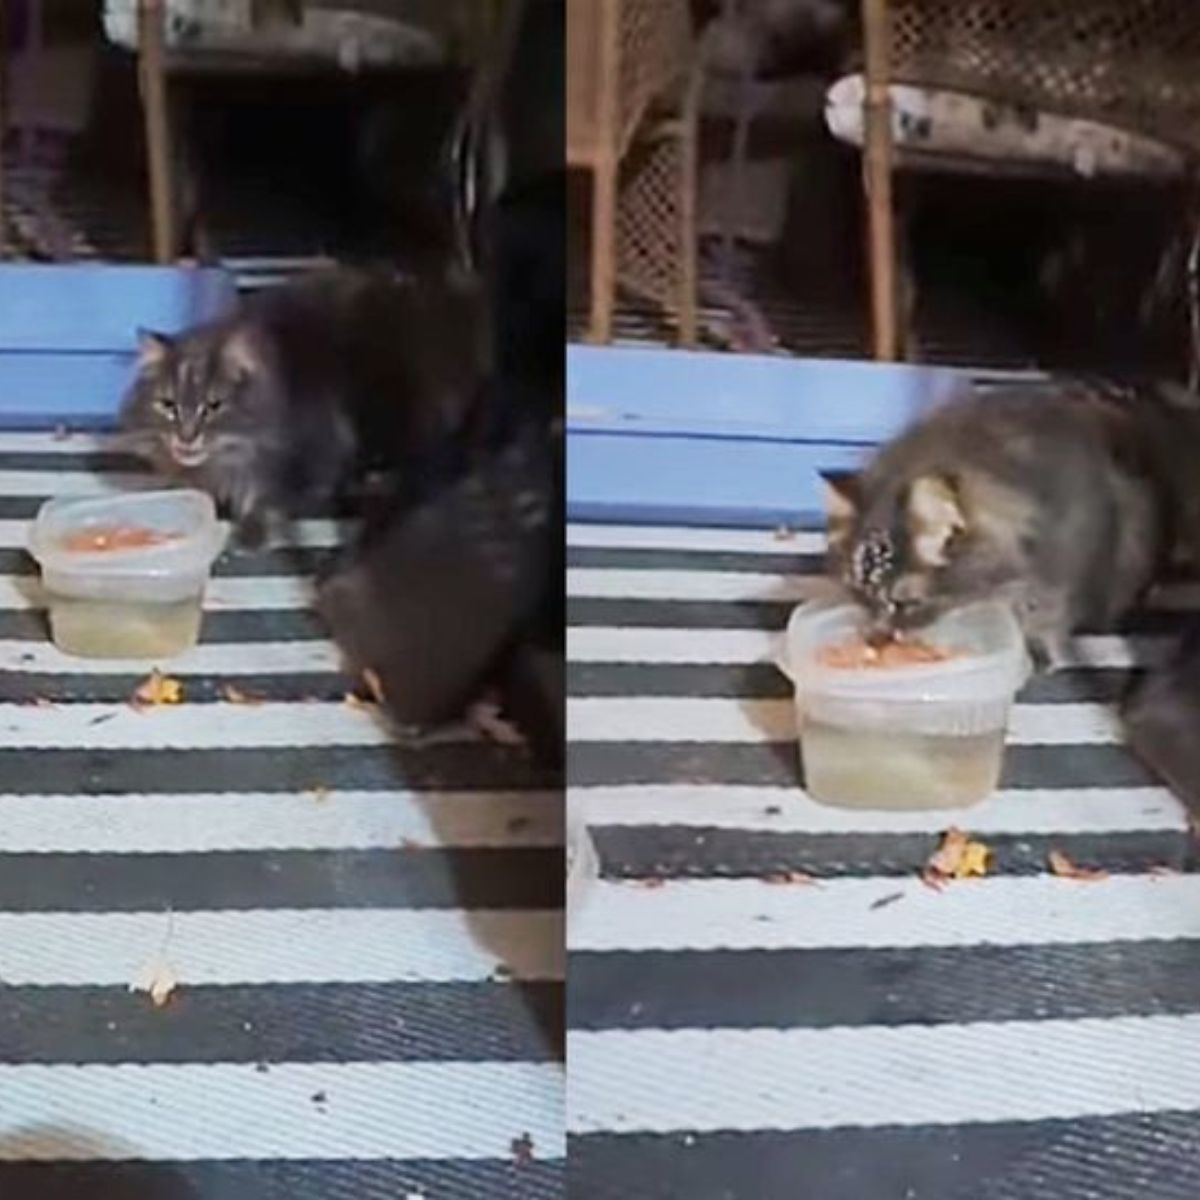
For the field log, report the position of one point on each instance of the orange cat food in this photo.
(100, 538)
(858, 654)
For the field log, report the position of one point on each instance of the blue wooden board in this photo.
(668, 436)
(68, 334)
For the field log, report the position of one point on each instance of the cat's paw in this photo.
(1049, 653)
(250, 534)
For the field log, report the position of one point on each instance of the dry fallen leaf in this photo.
(958, 857)
(374, 685)
(157, 980)
(319, 793)
(235, 695)
(485, 716)
(1064, 868)
(354, 700)
(157, 689)
(789, 877)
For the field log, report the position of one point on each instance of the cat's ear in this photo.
(241, 353)
(843, 500)
(151, 349)
(935, 516)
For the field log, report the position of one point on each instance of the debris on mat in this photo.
(958, 857)
(1064, 868)
(156, 690)
(158, 980)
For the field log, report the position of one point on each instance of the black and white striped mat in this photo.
(367, 939)
(858, 1036)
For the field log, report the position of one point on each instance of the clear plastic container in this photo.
(143, 602)
(919, 737)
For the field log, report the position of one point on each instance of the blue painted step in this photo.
(699, 438)
(68, 334)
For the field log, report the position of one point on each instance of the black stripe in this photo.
(612, 763)
(764, 681)
(624, 559)
(404, 877)
(699, 852)
(927, 985)
(271, 769)
(1128, 1157)
(96, 462)
(335, 1022)
(273, 1180)
(227, 625)
(19, 508)
(21, 687)
(764, 614)
(677, 614)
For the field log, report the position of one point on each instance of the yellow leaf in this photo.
(958, 857)
(234, 695)
(157, 689)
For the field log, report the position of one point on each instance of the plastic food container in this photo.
(139, 602)
(916, 737)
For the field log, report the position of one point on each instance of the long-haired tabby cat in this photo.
(1063, 499)
(276, 409)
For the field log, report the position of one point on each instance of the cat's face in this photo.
(197, 396)
(896, 556)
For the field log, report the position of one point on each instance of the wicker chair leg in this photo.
(687, 234)
(604, 250)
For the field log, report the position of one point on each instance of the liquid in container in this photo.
(138, 602)
(925, 736)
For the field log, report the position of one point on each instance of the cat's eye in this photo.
(165, 403)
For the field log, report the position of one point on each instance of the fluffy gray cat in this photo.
(1066, 500)
(281, 406)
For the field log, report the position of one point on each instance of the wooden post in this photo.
(152, 78)
(4, 81)
(877, 178)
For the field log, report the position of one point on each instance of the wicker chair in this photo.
(632, 102)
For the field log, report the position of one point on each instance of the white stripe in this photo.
(316, 534)
(645, 644)
(167, 1111)
(732, 586)
(222, 658)
(193, 726)
(195, 823)
(693, 719)
(258, 592)
(789, 810)
(724, 541)
(279, 946)
(758, 586)
(659, 1080)
(32, 442)
(70, 483)
(738, 914)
